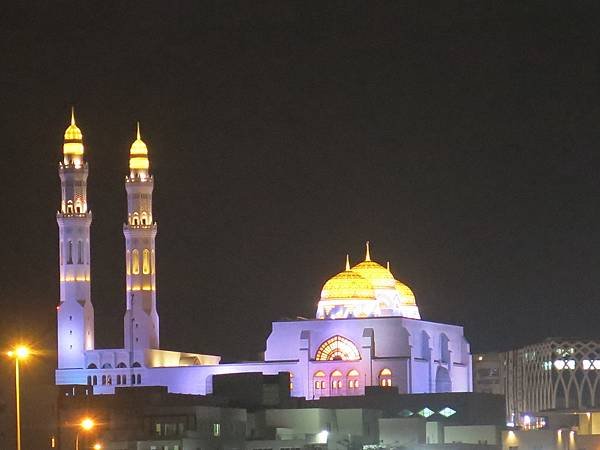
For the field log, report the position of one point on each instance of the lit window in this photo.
(385, 377)
(146, 261)
(426, 412)
(319, 383)
(216, 429)
(336, 381)
(135, 262)
(337, 348)
(447, 412)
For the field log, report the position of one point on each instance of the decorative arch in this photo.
(135, 261)
(92, 366)
(336, 380)
(319, 380)
(444, 348)
(121, 365)
(353, 379)
(106, 366)
(136, 364)
(146, 261)
(385, 377)
(337, 348)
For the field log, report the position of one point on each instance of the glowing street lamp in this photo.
(85, 425)
(97, 446)
(19, 353)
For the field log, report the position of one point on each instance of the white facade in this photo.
(367, 330)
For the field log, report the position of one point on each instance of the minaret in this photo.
(75, 313)
(141, 318)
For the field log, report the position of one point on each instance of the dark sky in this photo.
(461, 138)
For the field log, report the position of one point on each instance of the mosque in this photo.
(367, 330)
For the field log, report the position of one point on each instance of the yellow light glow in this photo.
(19, 352)
(337, 348)
(138, 155)
(87, 424)
(73, 144)
(97, 446)
(378, 276)
(348, 285)
(406, 295)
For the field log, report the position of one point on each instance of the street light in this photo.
(97, 446)
(86, 425)
(18, 353)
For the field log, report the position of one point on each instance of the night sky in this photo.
(461, 138)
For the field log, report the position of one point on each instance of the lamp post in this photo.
(86, 425)
(18, 353)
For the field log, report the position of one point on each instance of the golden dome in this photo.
(378, 276)
(73, 145)
(73, 133)
(406, 294)
(348, 285)
(138, 154)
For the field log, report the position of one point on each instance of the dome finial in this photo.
(347, 261)
(368, 253)
(138, 131)
(72, 115)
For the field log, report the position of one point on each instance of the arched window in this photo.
(78, 206)
(79, 252)
(92, 366)
(139, 379)
(128, 263)
(106, 366)
(146, 261)
(385, 377)
(337, 348)
(144, 218)
(118, 379)
(89, 380)
(444, 350)
(336, 380)
(291, 381)
(109, 379)
(121, 365)
(135, 262)
(132, 379)
(70, 252)
(353, 379)
(425, 349)
(95, 380)
(319, 380)
(70, 207)
(103, 380)
(123, 379)
(135, 219)
(136, 364)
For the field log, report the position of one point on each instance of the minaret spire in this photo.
(347, 261)
(75, 313)
(141, 317)
(368, 253)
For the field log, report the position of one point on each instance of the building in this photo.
(367, 329)
(150, 418)
(542, 380)
(489, 373)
